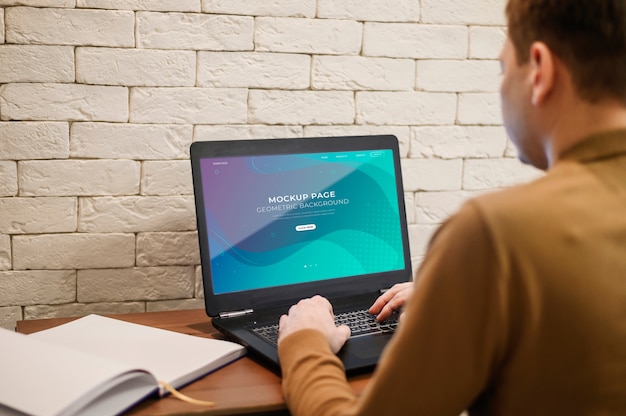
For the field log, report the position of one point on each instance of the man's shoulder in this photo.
(541, 198)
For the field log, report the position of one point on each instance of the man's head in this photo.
(563, 64)
(588, 36)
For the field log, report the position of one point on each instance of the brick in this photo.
(2, 26)
(244, 132)
(135, 67)
(11, 314)
(82, 309)
(137, 214)
(432, 174)
(401, 132)
(496, 173)
(364, 10)
(8, 178)
(174, 305)
(172, 248)
(5, 252)
(34, 140)
(418, 41)
(134, 284)
(194, 31)
(487, 12)
(30, 25)
(436, 207)
(301, 107)
(479, 108)
(34, 63)
(486, 42)
(130, 141)
(188, 105)
(166, 178)
(362, 73)
(199, 284)
(46, 101)
(289, 8)
(458, 75)
(419, 238)
(316, 36)
(38, 215)
(78, 177)
(456, 142)
(39, 3)
(254, 70)
(36, 286)
(400, 108)
(73, 251)
(152, 5)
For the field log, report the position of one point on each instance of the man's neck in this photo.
(583, 120)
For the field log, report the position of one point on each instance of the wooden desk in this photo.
(243, 387)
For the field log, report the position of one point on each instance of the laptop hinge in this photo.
(234, 314)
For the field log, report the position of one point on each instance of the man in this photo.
(519, 307)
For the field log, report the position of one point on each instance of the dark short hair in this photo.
(589, 36)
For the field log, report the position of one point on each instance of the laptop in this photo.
(284, 219)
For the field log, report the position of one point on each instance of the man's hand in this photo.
(314, 313)
(391, 300)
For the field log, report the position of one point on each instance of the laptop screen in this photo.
(275, 220)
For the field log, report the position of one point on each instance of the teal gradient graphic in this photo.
(284, 219)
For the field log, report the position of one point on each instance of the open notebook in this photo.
(100, 366)
(283, 219)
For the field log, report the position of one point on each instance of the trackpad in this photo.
(363, 352)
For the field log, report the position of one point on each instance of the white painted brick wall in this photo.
(135, 67)
(163, 249)
(319, 36)
(148, 283)
(188, 105)
(2, 26)
(153, 5)
(34, 140)
(38, 215)
(136, 214)
(100, 100)
(130, 141)
(166, 178)
(8, 178)
(73, 251)
(35, 63)
(5, 252)
(305, 107)
(74, 102)
(484, 12)
(362, 73)
(78, 177)
(194, 31)
(47, 26)
(37, 286)
(377, 10)
(288, 8)
(254, 70)
(410, 108)
(417, 41)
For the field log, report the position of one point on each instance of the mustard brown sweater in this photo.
(519, 307)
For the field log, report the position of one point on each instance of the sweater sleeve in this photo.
(445, 351)
(314, 381)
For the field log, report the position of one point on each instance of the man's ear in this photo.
(542, 72)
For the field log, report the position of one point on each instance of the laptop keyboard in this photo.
(360, 323)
